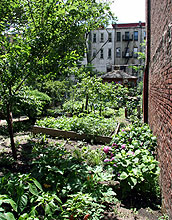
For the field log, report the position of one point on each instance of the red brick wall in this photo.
(160, 91)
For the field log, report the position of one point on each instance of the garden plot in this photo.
(97, 129)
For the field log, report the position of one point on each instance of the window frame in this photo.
(118, 36)
(136, 37)
(94, 37)
(127, 35)
(110, 37)
(109, 53)
(118, 53)
(101, 37)
(101, 53)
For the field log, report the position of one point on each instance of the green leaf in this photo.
(133, 181)
(9, 216)
(48, 209)
(33, 189)
(11, 202)
(135, 171)
(151, 167)
(137, 152)
(123, 176)
(23, 202)
(24, 216)
(37, 184)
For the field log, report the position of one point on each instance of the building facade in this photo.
(116, 47)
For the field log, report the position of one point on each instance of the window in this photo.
(127, 52)
(127, 35)
(101, 54)
(118, 36)
(109, 53)
(102, 37)
(110, 37)
(135, 50)
(118, 52)
(144, 35)
(136, 35)
(94, 38)
(94, 53)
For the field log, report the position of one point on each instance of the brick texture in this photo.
(160, 92)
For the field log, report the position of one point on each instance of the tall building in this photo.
(116, 47)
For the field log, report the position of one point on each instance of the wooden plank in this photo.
(71, 134)
(117, 129)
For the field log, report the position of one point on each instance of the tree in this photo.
(41, 39)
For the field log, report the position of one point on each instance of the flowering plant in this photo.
(132, 157)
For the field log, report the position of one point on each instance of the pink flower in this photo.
(113, 158)
(114, 145)
(106, 160)
(114, 165)
(130, 153)
(106, 149)
(111, 154)
(123, 146)
(122, 130)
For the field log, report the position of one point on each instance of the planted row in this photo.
(83, 125)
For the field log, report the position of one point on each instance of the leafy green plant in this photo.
(79, 205)
(131, 156)
(31, 103)
(92, 156)
(83, 125)
(164, 217)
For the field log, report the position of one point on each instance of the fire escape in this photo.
(126, 53)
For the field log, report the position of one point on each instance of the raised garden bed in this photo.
(78, 128)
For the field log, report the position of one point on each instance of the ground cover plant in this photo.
(84, 124)
(80, 182)
(67, 187)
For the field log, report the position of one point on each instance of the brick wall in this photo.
(160, 91)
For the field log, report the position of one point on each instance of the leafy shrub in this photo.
(57, 90)
(73, 107)
(83, 125)
(31, 103)
(25, 195)
(108, 112)
(132, 157)
(81, 205)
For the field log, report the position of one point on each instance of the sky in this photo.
(129, 11)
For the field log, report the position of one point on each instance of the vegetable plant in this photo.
(84, 125)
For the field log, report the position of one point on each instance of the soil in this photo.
(121, 211)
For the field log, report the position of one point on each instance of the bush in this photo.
(131, 155)
(31, 103)
(57, 90)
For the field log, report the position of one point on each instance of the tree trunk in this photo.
(10, 129)
(86, 103)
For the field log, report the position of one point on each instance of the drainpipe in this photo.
(147, 62)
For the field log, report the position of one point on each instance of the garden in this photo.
(56, 178)
(44, 176)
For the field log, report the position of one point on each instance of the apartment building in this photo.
(117, 47)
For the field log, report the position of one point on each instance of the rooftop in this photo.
(118, 74)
